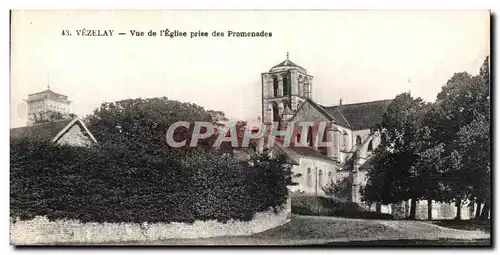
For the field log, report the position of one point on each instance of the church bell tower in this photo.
(286, 85)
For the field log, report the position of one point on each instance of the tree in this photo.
(52, 116)
(431, 176)
(395, 176)
(217, 116)
(142, 123)
(340, 189)
(474, 140)
(462, 125)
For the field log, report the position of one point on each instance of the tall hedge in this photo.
(118, 184)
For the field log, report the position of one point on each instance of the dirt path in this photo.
(313, 230)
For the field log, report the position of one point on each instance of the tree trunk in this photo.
(486, 210)
(458, 204)
(378, 207)
(429, 209)
(413, 208)
(478, 209)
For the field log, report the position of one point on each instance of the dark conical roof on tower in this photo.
(284, 64)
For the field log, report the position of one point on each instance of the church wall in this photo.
(364, 134)
(267, 86)
(345, 143)
(383, 208)
(313, 182)
(365, 137)
(294, 82)
(309, 113)
(441, 211)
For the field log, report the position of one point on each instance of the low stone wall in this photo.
(440, 211)
(42, 231)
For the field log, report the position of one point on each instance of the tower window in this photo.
(275, 86)
(286, 85)
(276, 112)
(370, 146)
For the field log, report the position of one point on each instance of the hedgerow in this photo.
(110, 183)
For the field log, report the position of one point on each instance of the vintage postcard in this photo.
(258, 128)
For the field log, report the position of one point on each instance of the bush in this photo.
(326, 206)
(118, 184)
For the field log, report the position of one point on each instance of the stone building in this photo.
(47, 105)
(287, 97)
(49, 120)
(63, 132)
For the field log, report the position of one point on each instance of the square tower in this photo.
(46, 106)
(286, 85)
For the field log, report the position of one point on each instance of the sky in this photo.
(358, 56)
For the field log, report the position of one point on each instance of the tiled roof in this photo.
(360, 115)
(286, 63)
(40, 132)
(50, 92)
(340, 119)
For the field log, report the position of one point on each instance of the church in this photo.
(287, 97)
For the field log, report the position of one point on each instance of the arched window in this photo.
(370, 146)
(309, 182)
(276, 112)
(358, 140)
(275, 86)
(320, 178)
(286, 85)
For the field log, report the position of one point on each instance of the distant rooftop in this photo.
(39, 132)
